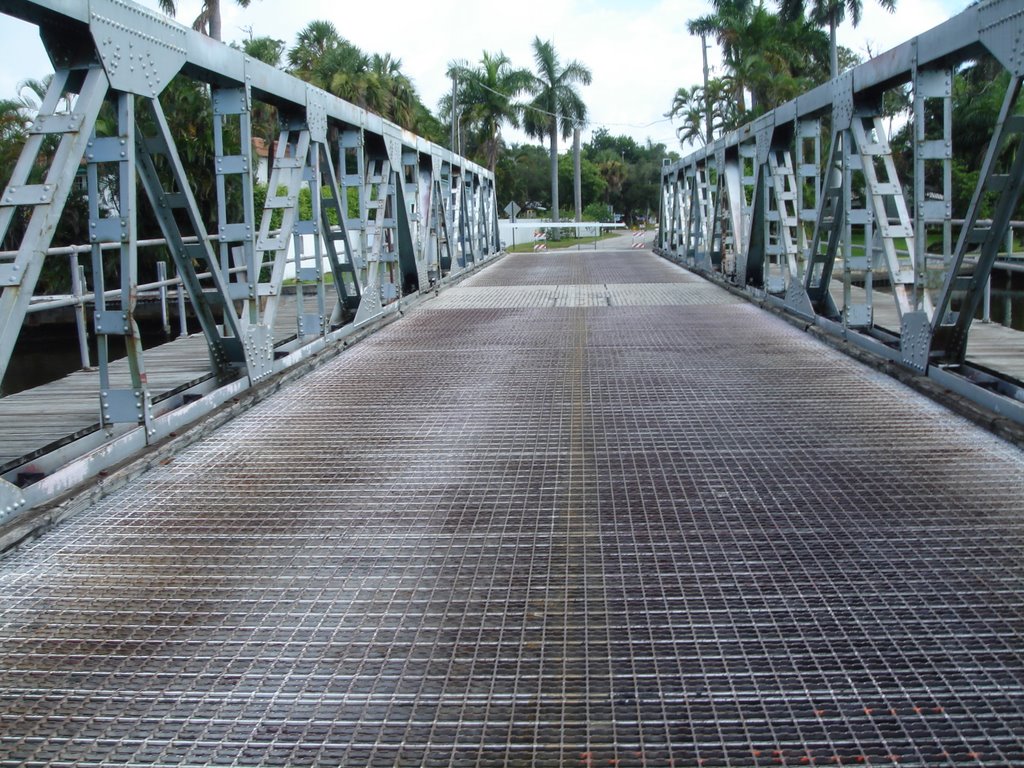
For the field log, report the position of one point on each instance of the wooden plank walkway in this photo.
(36, 418)
(990, 345)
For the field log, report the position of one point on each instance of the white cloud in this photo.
(639, 50)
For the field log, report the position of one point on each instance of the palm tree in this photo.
(766, 56)
(702, 27)
(694, 106)
(208, 20)
(487, 93)
(557, 107)
(313, 43)
(832, 13)
(390, 92)
(266, 49)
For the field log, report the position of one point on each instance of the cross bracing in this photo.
(809, 213)
(392, 215)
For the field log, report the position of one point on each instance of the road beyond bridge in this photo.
(581, 509)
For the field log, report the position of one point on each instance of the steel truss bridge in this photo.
(571, 508)
(761, 209)
(424, 216)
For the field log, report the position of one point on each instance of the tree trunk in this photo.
(554, 171)
(833, 48)
(577, 181)
(455, 114)
(213, 17)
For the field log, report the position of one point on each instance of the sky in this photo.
(638, 50)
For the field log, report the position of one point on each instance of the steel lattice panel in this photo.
(635, 536)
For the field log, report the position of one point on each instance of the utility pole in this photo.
(577, 184)
(707, 96)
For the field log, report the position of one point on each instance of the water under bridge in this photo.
(458, 507)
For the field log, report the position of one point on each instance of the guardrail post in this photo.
(161, 276)
(77, 288)
(986, 316)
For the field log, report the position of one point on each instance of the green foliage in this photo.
(631, 172)
(485, 98)
(597, 211)
(259, 197)
(592, 185)
(768, 58)
(375, 81)
(557, 106)
(269, 50)
(523, 174)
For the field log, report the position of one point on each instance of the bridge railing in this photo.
(766, 210)
(390, 214)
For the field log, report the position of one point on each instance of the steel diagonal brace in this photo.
(950, 340)
(732, 190)
(828, 226)
(441, 229)
(426, 247)
(751, 269)
(370, 304)
(18, 278)
(339, 205)
(223, 351)
(885, 196)
(289, 165)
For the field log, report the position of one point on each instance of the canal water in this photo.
(1007, 299)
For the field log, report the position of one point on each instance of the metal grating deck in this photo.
(538, 535)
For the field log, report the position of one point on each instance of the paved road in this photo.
(583, 509)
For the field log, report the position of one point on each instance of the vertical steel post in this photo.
(78, 289)
(161, 276)
(182, 318)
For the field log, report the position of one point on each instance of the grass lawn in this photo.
(567, 242)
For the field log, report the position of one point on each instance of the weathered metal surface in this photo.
(635, 536)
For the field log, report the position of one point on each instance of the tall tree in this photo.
(767, 59)
(266, 49)
(208, 21)
(557, 106)
(830, 13)
(703, 27)
(375, 82)
(312, 45)
(487, 94)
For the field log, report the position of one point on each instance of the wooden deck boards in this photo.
(37, 417)
(989, 344)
